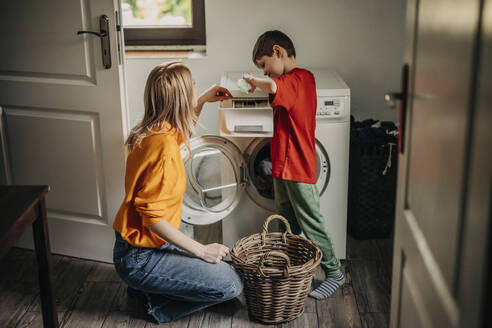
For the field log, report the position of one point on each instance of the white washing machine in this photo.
(224, 181)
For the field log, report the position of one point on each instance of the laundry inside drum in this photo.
(262, 172)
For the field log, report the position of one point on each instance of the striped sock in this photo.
(328, 287)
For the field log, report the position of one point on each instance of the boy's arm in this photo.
(264, 83)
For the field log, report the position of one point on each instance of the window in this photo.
(161, 23)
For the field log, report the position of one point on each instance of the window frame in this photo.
(169, 36)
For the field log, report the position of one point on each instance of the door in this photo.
(215, 177)
(64, 119)
(433, 258)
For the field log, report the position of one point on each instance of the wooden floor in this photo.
(90, 294)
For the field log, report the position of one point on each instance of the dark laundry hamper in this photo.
(372, 179)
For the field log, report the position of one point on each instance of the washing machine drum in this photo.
(262, 177)
(260, 188)
(208, 187)
(215, 179)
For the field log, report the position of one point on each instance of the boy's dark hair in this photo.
(266, 41)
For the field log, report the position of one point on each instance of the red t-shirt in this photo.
(293, 149)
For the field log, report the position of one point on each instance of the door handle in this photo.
(402, 96)
(101, 35)
(104, 35)
(391, 98)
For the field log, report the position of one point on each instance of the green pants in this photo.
(299, 203)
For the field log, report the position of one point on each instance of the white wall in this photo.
(362, 39)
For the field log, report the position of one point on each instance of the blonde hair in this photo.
(168, 98)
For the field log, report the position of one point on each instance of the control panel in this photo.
(331, 107)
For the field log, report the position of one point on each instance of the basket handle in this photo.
(272, 217)
(267, 222)
(276, 253)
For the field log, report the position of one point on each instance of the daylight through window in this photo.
(150, 23)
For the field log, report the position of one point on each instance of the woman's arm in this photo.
(213, 94)
(199, 106)
(212, 253)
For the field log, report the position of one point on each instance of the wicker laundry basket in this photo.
(278, 269)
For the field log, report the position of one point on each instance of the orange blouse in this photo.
(155, 182)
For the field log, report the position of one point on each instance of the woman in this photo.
(177, 274)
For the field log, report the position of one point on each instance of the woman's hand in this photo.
(215, 93)
(213, 253)
(250, 79)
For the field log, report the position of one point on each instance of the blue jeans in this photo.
(176, 283)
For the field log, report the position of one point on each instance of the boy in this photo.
(292, 93)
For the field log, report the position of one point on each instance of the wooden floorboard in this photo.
(34, 319)
(93, 305)
(90, 294)
(15, 300)
(340, 310)
(125, 312)
(385, 247)
(103, 272)
(241, 319)
(65, 270)
(371, 285)
(374, 319)
(305, 320)
(18, 286)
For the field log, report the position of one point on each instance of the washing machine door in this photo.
(322, 167)
(260, 186)
(215, 179)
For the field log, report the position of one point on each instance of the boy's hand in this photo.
(215, 93)
(263, 83)
(250, 79)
